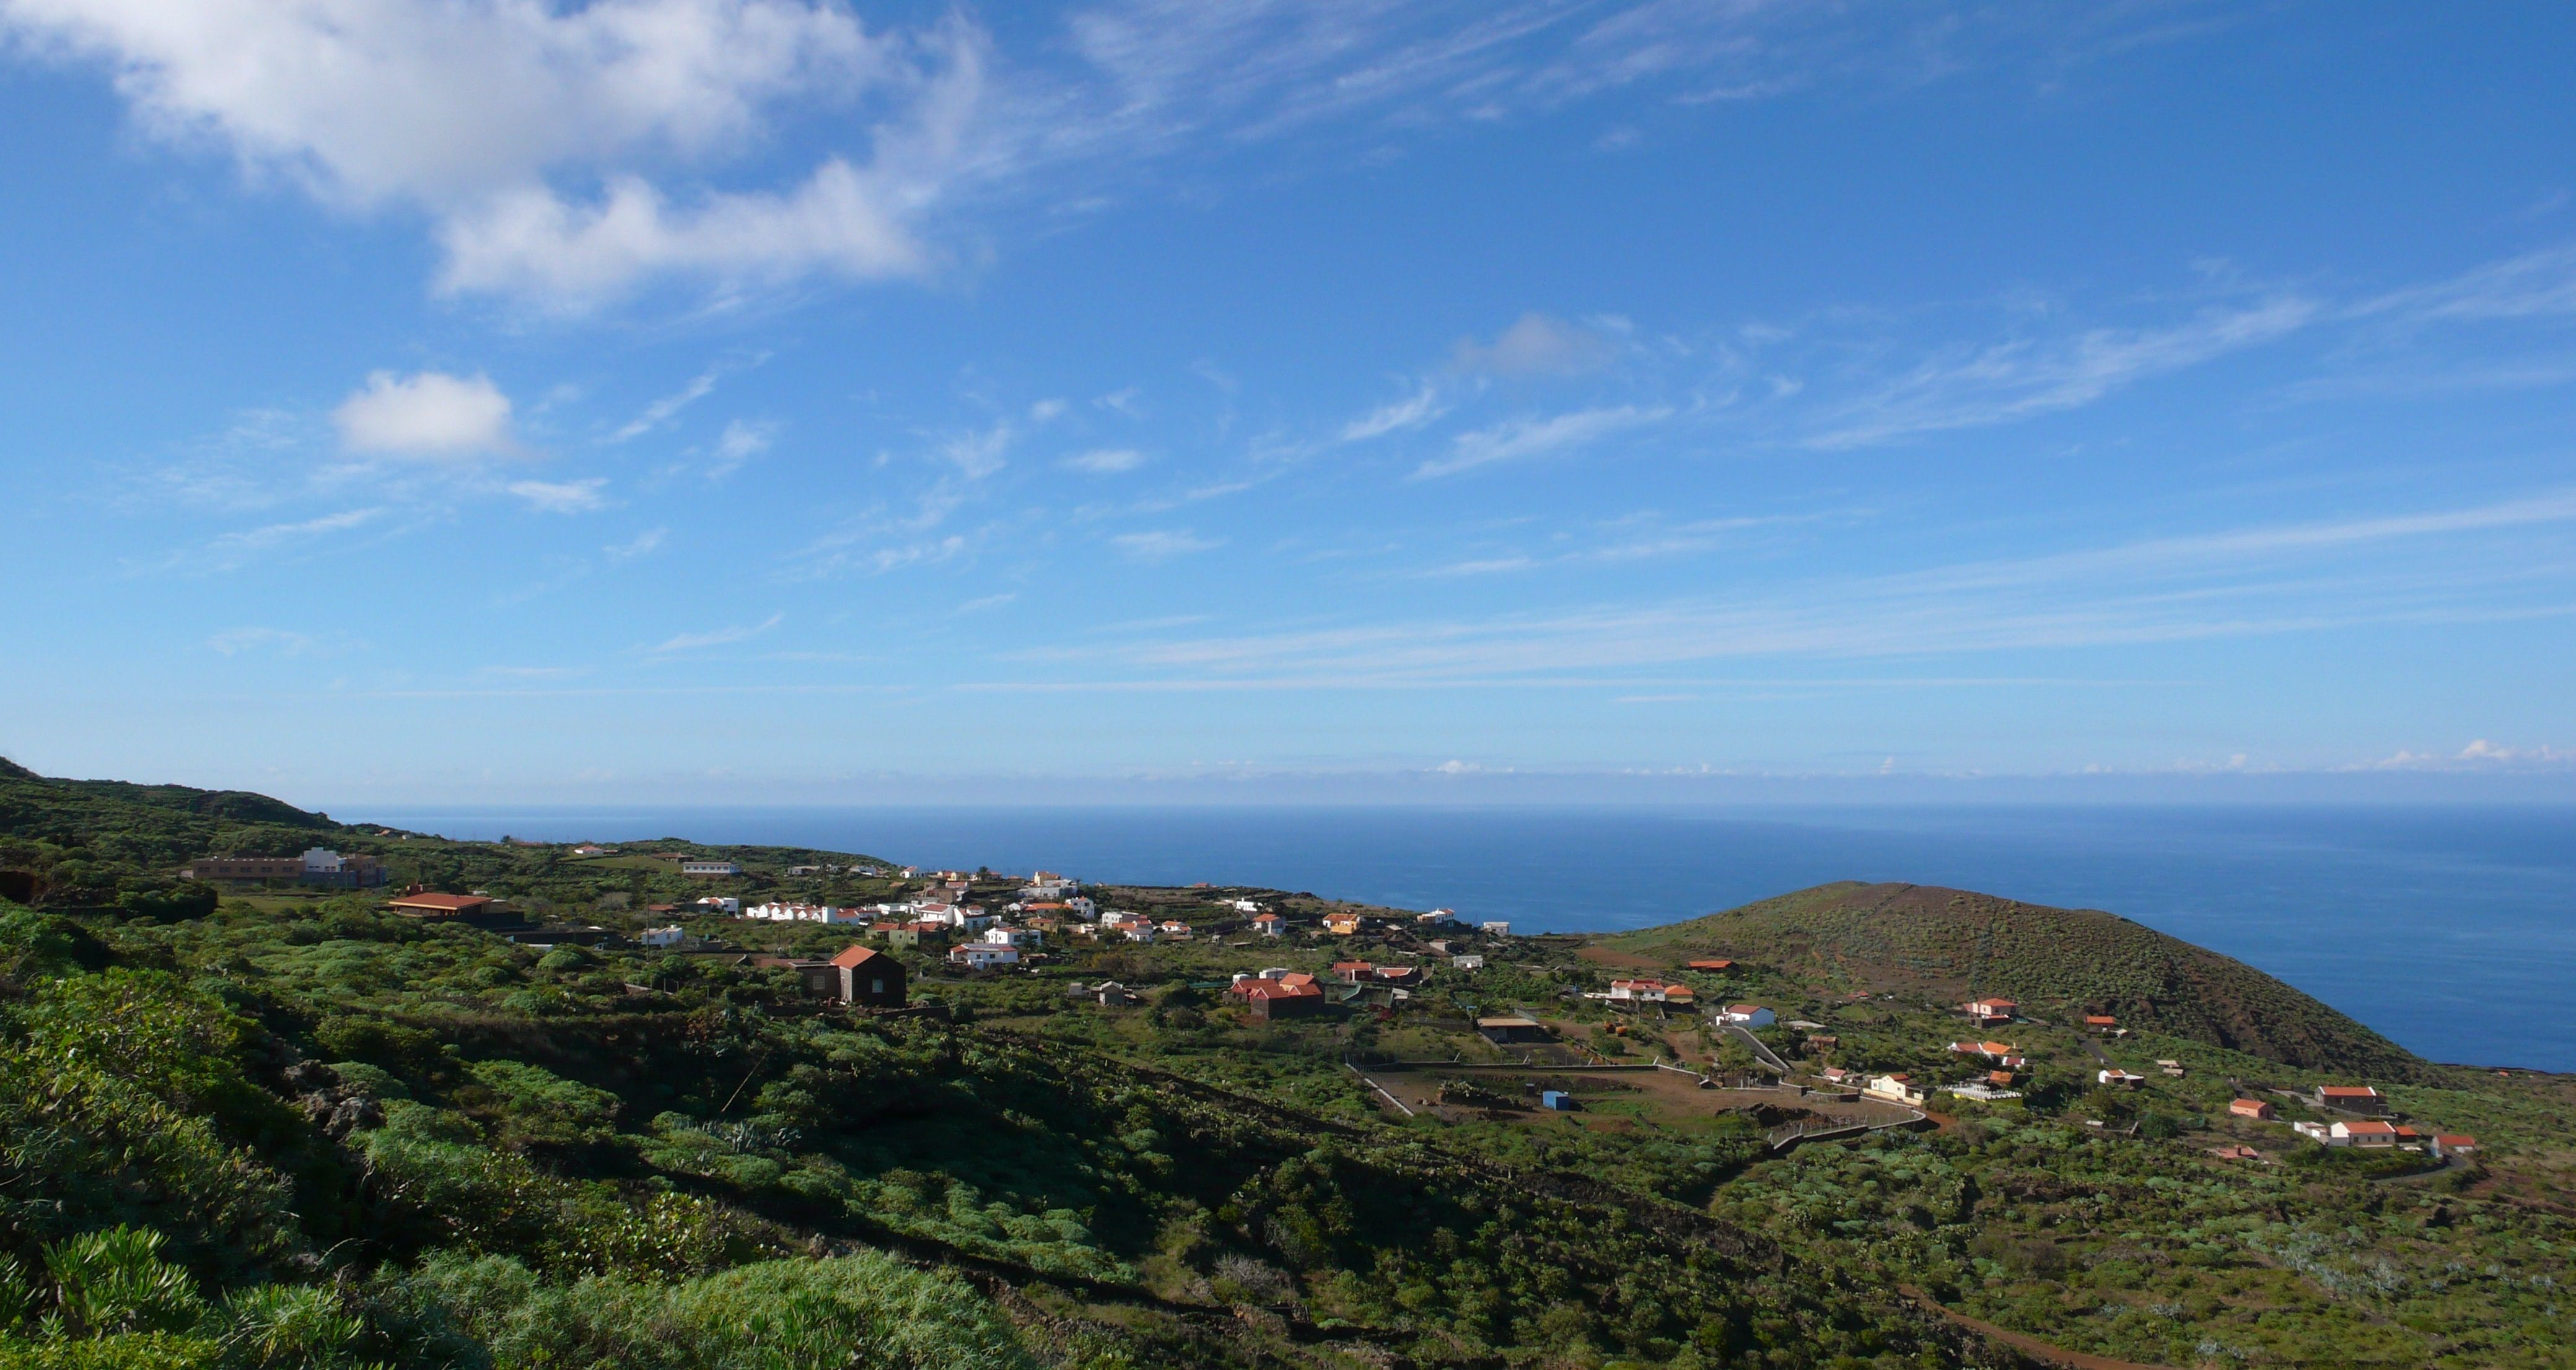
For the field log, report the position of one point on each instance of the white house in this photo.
(1468, 962)
(1270, 925)
(727, 906)
(590, 849)
(980, 955)
(1246, 906)
(2121, 1078)
(1747, 1015)
(1897, 1088)
(1012, 937)
(1498, 929)
(660, 937)
(805, 913)
(697, 867)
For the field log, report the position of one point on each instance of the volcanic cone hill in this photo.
(2052, 961)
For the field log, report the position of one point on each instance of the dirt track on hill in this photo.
(2023, 1342)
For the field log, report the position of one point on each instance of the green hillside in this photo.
(2053, 961)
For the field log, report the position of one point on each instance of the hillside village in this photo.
(1246, 1126)
(957, 929)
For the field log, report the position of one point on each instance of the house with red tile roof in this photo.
(2350, 1099)
(2367, 1132)
(1269, 999)
(439, 905)
(2256, 1109)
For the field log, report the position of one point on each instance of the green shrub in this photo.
(865, 1310)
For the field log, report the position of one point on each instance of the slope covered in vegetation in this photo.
(2051, 960)
(323, 1135)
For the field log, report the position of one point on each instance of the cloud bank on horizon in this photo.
(666, 388)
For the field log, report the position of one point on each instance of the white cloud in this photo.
(430, 415)
(1106, 461)
(1537, 345)
(1414, 410)
(1163, 545)
(534, 242)
(1537, 437)
(978, 605)
(979, 454)
(642, 544)
(573, 152)
(283, 641)
(476, 110)
(562, 497)
(740, 443)
(2483, 750)
(719, 637)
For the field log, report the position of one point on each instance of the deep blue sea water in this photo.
(2450, 928)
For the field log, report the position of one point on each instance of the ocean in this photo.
(2450, 928)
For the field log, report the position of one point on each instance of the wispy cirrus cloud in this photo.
(642, 544)
(1164, 544)
(2008, 381)
(232, 551)
(681, 643)
(2256, 581)
(1105, 461)
(562, 496)
(1423, 406)
(1525, 438)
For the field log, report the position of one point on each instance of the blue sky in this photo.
(742, 399)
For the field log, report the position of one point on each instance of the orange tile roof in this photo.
(442, 903)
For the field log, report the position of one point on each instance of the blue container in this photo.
(1557, 1099)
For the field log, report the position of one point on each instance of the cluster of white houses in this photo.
(1049, 906)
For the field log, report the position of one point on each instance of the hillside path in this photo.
(1760, 1052)
(2022, 1341)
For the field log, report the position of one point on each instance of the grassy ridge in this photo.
(2052, 960)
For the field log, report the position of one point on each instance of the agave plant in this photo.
(284, 1325)
(116, 1281)
(17, 1297)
